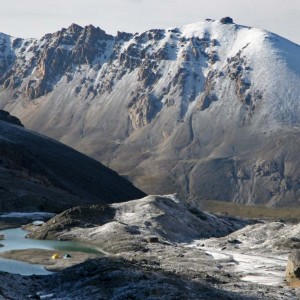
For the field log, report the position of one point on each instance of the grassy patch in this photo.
(252, 212)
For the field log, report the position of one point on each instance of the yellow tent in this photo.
(55, 256)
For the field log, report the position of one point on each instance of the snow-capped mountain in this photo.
(210, 110)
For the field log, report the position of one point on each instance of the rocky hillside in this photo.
(132, 225)
(39, 174)
(209, 110)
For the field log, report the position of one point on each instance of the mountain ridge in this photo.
(208, 110)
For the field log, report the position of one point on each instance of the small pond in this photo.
(14, 239)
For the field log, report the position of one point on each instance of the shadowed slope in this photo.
(39, 173)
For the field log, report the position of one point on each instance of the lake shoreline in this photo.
(24, 256)
(44, 258)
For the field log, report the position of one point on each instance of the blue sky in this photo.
(34, 18)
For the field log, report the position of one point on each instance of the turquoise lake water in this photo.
(15, 240)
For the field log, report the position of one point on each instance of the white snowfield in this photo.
(271, 58)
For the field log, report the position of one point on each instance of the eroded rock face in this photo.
(143, 110)
(47, 60)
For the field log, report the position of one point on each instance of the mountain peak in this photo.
(96, 32)
(74, 28)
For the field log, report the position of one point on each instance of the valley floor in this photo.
(147, 260)
(164, 272)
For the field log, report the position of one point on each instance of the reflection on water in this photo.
(15, 240)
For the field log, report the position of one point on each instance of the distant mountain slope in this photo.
(210, 110)
(37, 173)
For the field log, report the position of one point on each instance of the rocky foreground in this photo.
(116, 278)
(160, 248)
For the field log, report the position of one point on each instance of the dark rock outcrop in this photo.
(226, 20)
(7, 117)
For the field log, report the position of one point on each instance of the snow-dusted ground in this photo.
(252, 254)
(256, 253)
(253, 268)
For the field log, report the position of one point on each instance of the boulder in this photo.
(234, 241)
(226, 20)
(152, 239)
(293, 269)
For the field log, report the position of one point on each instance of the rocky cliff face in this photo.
(209, 110)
